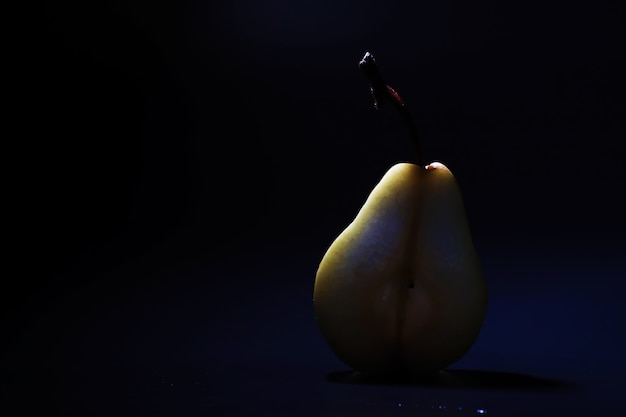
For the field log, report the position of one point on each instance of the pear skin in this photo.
(401, 289)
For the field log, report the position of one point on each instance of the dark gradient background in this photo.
(177, 171)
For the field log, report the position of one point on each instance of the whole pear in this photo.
(401, 289)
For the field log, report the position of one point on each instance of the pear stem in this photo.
(381, 91)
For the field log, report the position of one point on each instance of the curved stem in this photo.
(381, 91)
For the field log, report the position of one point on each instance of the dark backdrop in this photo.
(153, 136)
(239, 124)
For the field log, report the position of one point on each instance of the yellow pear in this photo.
(401, 289)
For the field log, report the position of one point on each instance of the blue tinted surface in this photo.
(552, 342)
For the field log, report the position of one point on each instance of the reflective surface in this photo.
(248, 345)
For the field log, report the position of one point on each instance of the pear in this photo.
(401, 289)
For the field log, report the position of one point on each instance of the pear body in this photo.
(401, 289)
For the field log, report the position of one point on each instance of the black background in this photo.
(205, 154)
